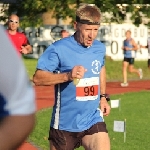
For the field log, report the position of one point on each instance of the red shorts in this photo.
(64, 140)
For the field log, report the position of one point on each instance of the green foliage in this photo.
(30, 11)
(134, 108)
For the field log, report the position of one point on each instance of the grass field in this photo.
(113, 68)
(134, 108)
(30, 65)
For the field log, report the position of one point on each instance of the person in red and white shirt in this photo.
(19, 39)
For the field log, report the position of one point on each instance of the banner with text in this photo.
(111, 35)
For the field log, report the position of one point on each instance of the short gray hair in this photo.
(88, 14)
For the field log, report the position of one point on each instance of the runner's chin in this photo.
(89, 43)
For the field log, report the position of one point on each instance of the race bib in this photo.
(87, 89)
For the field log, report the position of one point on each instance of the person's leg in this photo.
(134, 70)
(124, 69)
(52, 147)
(96, 137)
(96, 141)
(124, 72)
(137, 71)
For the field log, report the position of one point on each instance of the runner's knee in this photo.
(97, 141)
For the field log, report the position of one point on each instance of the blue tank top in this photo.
(76, 108)
(128, 53)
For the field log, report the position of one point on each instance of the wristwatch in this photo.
(106, 96)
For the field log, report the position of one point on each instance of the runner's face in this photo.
(13, 23)
(128, 35)
(86, 33)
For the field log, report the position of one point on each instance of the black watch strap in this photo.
(106, 96)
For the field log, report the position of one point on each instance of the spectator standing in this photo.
(19, 39)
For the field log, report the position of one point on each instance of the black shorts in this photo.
(64, 140)
(129, 60)
(148, 62)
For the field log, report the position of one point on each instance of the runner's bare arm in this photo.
(142, 46)
(103, 80)
(135, 46)
(105, 108)
(48, 78)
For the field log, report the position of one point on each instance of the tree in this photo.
(30, 11)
